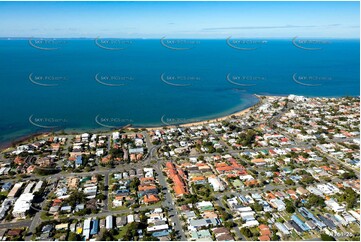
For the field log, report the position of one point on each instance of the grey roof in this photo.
(203, 222)
(121, 221)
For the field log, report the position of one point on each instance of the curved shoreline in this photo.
(21, 139)
(207, 121)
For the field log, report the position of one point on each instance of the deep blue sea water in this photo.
(79, 85)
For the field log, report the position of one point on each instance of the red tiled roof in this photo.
(264, 238)
(179, 190)
(146, 187)
(151, 198)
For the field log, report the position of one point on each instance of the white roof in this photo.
(23, 203)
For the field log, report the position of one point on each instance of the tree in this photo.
(134, 184)
(290, 209)
(101, 196)
(74, 237)
(76, 197)
(108, 235)
(289, 206)
(275, 168)
(44, 171)
(247, 138)
(258, 207)
(149, 238)
(308, 179)
(225, 216)
(326, 237)
(246, 232)
(348, 175)
(2, 197)
(275, 237)
(229, 224)
(315, 201)
(289, 182)
(350, 197)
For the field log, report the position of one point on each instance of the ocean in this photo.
(88, 85)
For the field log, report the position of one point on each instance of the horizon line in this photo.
(175, 38)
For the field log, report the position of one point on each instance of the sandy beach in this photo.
(236, 114)
(240, 113)
(205, 122)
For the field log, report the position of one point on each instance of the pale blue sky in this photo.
(180, 19)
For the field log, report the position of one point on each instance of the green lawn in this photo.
(308, 236)
(122, 232)
(354, 227)
(44, 216)
(286, 216)
(295, 236)
(237, 184)
(4, 193)
(111, 208)
(152, 204)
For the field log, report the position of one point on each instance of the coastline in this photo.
(21, 139)
(242, 112)
(206, 121)
(8, 145)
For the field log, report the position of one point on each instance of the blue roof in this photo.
(243, 199)
(160, 233)
(201, 182)
(307, 214)
(122, 191)
(79, 160)
(65, 208)
(95, 228)
(282, 228)
(354, 162)
(7, 185)
(299, 222)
